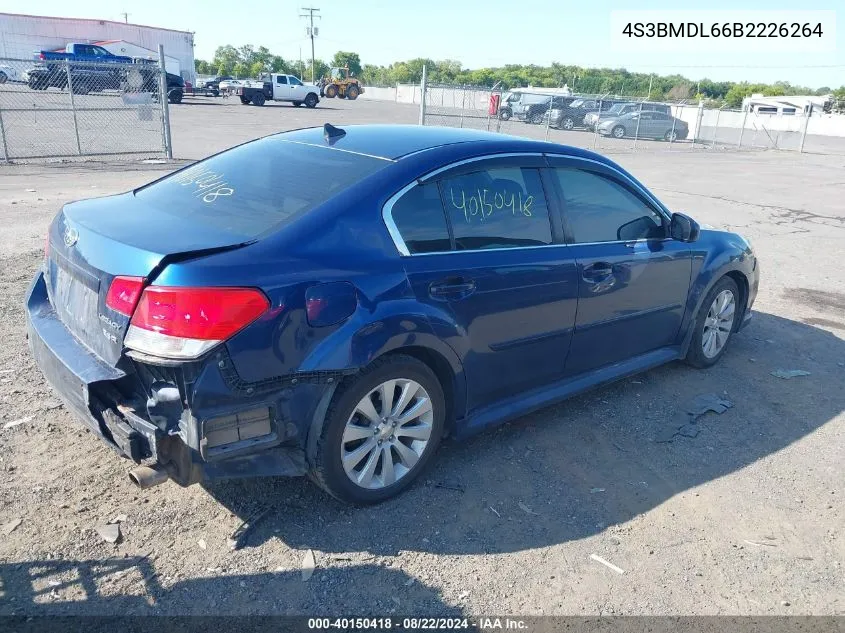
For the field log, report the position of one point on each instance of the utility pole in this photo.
(125, 17)
(311, 32)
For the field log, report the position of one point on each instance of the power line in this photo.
(311, 32)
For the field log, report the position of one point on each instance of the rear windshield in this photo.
(258, 186)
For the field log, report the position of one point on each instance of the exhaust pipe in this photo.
(146, 476)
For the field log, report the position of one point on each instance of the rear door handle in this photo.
(454, 288)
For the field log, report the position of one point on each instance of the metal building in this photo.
(21, 36)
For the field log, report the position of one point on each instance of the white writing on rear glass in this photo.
(208, 185)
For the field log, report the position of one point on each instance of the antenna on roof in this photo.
(332, 133)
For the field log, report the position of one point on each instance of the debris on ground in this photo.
(493, 510)
(120, 518)
(708, 402)
(237, 538)
(595, 490)
(685, 423)
(454, 487)
(526, 509)
(110, 532)
(202, 544)
(607, 564)
(308, 565)
(18, 422)
(759, 544)
(11, 526)
(786, 374)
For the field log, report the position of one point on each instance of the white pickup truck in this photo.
(278, 87)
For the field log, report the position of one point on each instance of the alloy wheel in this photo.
(387, 434)
(718, 324)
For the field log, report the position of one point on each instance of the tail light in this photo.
(185, 323)
(123, 294)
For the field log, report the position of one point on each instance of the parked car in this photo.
(592, 118)
(212, 86)
(228, 86)
(275, 327)
(537, 112)
(10, 74)
(92, 68)
(572, 116)
(657, 125)
(278, 87)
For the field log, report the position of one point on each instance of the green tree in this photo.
(352, 60)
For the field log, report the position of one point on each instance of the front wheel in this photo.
(714, 324)
(671, 136)
(568, 123)
(505, 114)
(311, 100)
(618, 132)
(175, 96)
(380, 431)
(331, 91)
(352, 92)
(3, 77)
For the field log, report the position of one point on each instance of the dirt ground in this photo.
(745, 518)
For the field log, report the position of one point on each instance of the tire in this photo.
(258, 99)
(244, 101)
(670, 136)
(352, 92)
(698, 355)
(534, 118)
(331, 91)
(618, 132)
(328, 470)
(175, 96)
(505, 114)
(3, 77)
(215, 93)
(311, 100)
(567, 123)
(296, 104)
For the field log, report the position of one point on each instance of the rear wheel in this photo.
(244, 101)
(3, 77)
(175, 96)
(331, 91)
(311, 100)
(714, 324)
(618, 132)
(258, 99)
(671, 136)
(567, 123)
(380, 432)
(352, 92)
(505, 114)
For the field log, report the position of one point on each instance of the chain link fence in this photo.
(619, 123)
(60, 109)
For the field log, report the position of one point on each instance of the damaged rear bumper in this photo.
(216, 428)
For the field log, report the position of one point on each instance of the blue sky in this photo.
(478, 33)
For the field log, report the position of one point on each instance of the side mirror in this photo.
(683, 228)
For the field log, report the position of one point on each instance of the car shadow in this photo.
(571, 470)
(132, 587)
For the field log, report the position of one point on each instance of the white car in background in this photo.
(228, 86)
(9, 73)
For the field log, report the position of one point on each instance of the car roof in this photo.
(394, 142)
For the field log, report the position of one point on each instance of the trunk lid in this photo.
(93, 241)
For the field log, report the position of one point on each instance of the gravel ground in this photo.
(745, 518)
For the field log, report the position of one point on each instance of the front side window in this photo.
(295, 82)
(419, 217)
(497, 208)
(599, 209)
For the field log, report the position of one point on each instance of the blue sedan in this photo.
(334, 302)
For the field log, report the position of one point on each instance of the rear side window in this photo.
(420, 219)
(497, 208)
(258, 186)
(599, 209)
(282, 79)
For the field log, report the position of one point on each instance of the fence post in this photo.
(463, 103)
(803, 132)
(422, 98)
(3, 137)
(674, 121)
(637, 131)
(73, 108)
(742, 129)
(549, 117)
(716, 128)
(596, 128)
(698, 118)
(165, 110)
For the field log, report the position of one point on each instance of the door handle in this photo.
(453, 288)
(597, 272)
